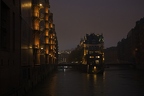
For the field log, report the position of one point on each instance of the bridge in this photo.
(84, 68)
(68, 64)
(90, 68)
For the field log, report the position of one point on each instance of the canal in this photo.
(115, 81)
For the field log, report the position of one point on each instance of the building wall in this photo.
(93, 47)
(33, 25)
(131, 49)
(18, 72)
(9, 47)
(63, 57)
(111, 55)
(26, 46)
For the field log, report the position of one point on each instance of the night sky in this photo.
(112, 18)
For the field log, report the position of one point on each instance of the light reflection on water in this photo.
(113, 82)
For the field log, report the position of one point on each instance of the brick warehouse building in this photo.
(28, 45)
(93, 51)
(131, 49)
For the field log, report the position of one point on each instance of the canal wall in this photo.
(30, 77)
(37, 75)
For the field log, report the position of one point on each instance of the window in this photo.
(91, 52)
(97, 61)
(97, 56)
(91, 57)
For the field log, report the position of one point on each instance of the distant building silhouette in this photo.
(131, 49)
(63, 56)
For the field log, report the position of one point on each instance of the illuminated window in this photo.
(47, 40)
(36, 24)
(46, 17)
(46, 10)
(97, 56)
(91, 57)
(97, 61)
(46, 33)
(36, 11)
(46, 51)
(51, 25)
(46, 25)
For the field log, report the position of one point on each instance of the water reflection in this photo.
(95, 82)
(74, 83)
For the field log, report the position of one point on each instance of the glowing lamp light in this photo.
(40, 4)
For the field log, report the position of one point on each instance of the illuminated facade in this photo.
(93, 47)
(28, 44)
(38, 42)
(45, 39)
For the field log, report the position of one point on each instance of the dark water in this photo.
(114, 81)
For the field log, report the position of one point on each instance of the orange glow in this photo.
(46, 17)
(26, 5)
(51, 36)
(46, 10)
(47, 51)
(36, 46)
(36, 14)
(47, 41)
(36, 24)
(51, 47)
(51, 25)
(46, 33)
(36, 42)
(47, 25)
(36, 27)
(91, 57)
(51, 42)
(36, 11)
